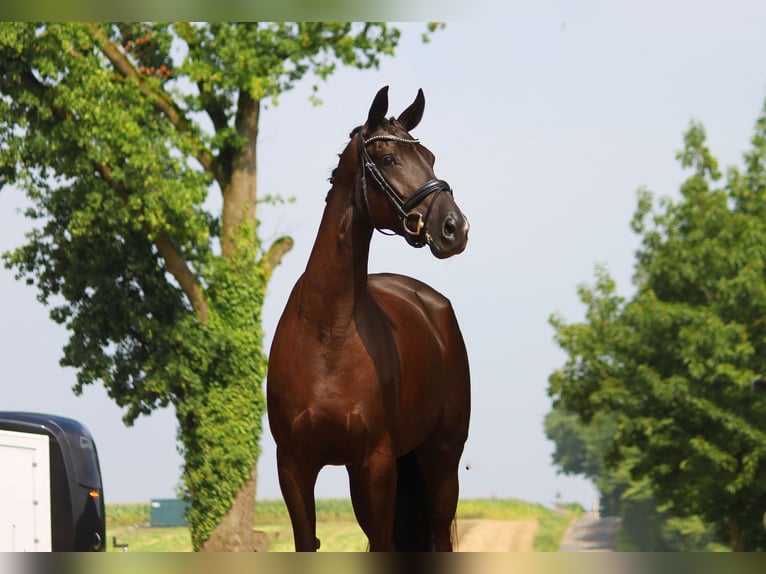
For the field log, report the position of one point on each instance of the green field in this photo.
(336, 526)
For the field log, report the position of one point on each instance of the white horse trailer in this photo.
(25, 500)
(51, 496)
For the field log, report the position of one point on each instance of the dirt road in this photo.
(496, 535)
(591, 534)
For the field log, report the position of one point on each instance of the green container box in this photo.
(168, 512)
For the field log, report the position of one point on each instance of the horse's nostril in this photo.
(449, 228)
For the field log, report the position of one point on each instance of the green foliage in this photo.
(127, 514)
(336, 524)
(646, 527)
(103, 126)
(551, 524)
(580, 448)
(498, 509)
(327, 510)
(214, 365)
(672, 367)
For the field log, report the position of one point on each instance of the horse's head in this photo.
(399, 189)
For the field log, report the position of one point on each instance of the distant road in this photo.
(587, 534)
(496, 535)
(591, 534)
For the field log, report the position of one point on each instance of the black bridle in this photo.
(413, 221)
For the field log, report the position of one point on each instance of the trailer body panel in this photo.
(25, 492)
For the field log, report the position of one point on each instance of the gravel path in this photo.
(496, 535)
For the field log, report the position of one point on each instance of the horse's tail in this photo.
(411, 526)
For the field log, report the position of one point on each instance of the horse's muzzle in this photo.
(450, 237)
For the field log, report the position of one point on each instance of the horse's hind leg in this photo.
(440, 473)
(297, 484)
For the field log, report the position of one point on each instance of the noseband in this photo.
(413, 221)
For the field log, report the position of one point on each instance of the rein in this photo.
(413, 221)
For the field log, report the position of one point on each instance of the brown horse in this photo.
(370, 371)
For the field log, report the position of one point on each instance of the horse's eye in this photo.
(387, 161)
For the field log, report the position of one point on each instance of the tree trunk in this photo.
(239, 193)
(736, 540)
(235, 532)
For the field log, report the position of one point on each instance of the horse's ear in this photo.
(378, 109)
(410, 117)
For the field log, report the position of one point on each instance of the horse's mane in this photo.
(334, 171)
(353, 132)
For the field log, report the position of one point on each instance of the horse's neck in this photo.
(336, 273)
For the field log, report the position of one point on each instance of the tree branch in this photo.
(273, 256)
(177, 267)
(215, 109)
(161, 100)
(174, 262)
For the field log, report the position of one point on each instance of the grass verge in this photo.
(336, 526)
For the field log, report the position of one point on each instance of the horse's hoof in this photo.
(318, 543)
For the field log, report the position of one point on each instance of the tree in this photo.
(675, 362)
(581, 449)
(117, 132)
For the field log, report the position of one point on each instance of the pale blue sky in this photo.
(545, 119)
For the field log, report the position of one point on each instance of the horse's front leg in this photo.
(373, 492)
(297, 485)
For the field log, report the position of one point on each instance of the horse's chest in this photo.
(354, 366)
